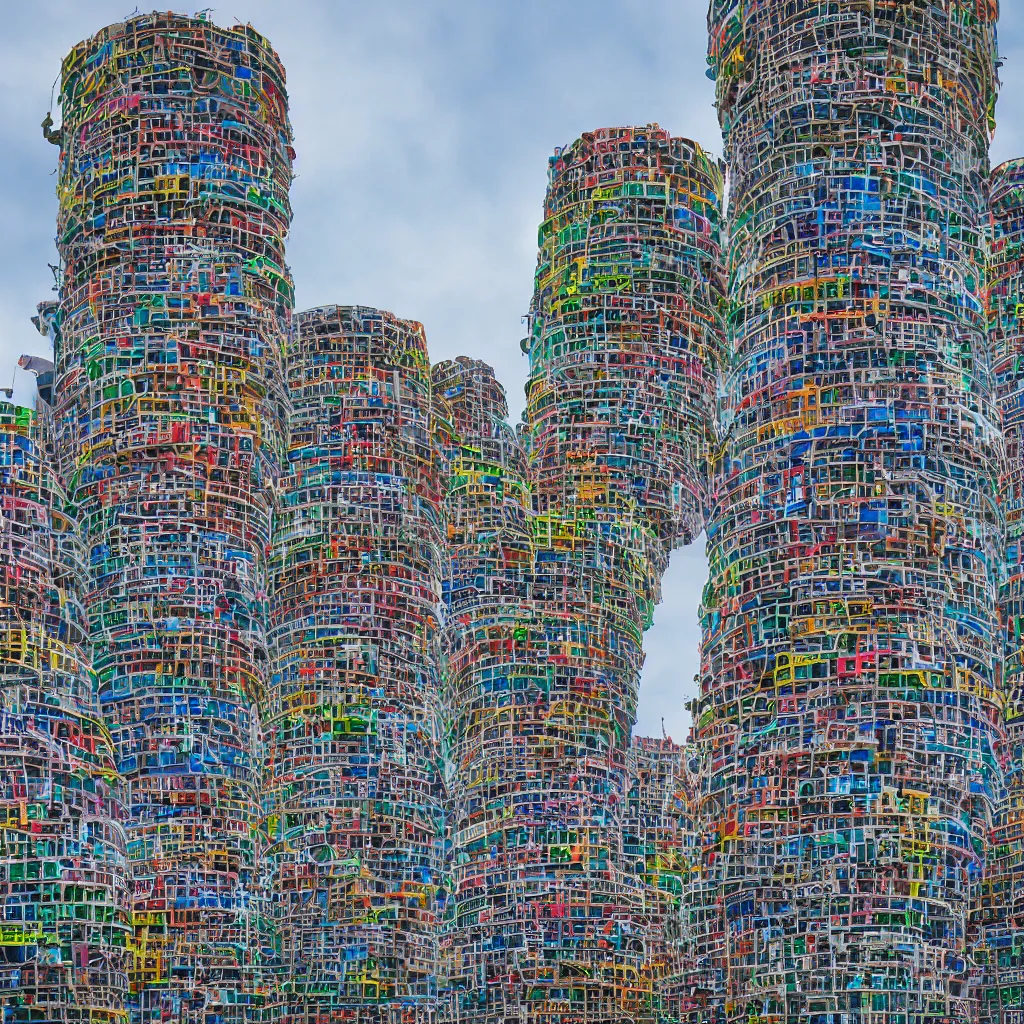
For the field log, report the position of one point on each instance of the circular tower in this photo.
(175, 164)
(353, 789)
(556, 569)
(849, 727)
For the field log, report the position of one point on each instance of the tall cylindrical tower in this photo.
(492, 692)
(175, 164)
(63, 870)
(1002, 912)
(557, 554)
(353, 786)
(849, 724)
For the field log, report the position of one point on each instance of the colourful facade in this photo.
(657, 854)
(498, 724)
(169, 403)
(850, 724)
(1000, 950)
(625, 343)
(353, 780)
(65, 933)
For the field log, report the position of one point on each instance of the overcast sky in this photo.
(422, 129)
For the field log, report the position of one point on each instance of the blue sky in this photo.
(422, 129)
